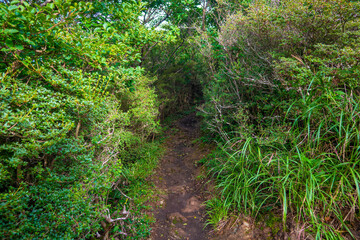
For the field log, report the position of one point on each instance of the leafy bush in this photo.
(265, 55)
(72, 102)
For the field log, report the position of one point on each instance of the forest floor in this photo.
(183, 188)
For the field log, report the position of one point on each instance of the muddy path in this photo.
(180, 213)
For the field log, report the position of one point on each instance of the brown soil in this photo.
(180, 213)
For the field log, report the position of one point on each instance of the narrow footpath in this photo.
(179, 210)
(180, 213)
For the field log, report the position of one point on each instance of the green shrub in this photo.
(263, 56)
(72, 104)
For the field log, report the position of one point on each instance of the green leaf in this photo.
(10, 31)
(19, 47)
(12, 7)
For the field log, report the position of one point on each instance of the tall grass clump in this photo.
(311, 176)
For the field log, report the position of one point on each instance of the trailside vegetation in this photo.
(282, 100)
(75, 112)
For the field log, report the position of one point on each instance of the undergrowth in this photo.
(136, 192)
(282, 102)
(310, 174)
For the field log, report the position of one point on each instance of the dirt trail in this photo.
(181, 214)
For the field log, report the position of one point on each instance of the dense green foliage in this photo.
(178, 75)
(283, 99)
(174, 62)
(73, 103)
(84, 83)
